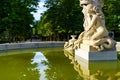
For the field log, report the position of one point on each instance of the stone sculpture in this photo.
(69, 46)
(95, 35)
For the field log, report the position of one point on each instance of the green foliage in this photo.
(112, 16)
(65, 18)
(62, 18)
(16, 18)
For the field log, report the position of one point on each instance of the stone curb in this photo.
(11, 46)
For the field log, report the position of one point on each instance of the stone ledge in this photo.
(96, 56)
(12, 46)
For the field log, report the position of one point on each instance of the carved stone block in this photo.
(94, 56)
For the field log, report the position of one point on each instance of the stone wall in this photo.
(10, 46)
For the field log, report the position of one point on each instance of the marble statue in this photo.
(69, 46)
(95, 35)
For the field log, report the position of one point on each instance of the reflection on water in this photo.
(51, 64)
(18, 67)
(39, 58)
(95, 70)
(36, 64)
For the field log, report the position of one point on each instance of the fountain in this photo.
(94, 42)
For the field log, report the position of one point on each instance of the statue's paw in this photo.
(76, 46)
(99, 48)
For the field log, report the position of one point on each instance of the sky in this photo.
(40, 10)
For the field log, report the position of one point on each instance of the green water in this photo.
(36, 64)
(53, 64)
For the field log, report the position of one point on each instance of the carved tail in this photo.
(109, 43)
(105, 43)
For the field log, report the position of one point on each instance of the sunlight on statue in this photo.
(95, 35)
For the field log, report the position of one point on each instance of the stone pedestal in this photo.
(96, 56)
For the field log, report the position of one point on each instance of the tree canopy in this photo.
(112, 16)
(64, 17)
(61, 19)
(16, 18)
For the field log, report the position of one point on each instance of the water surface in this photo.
(53, 64)
(36, 64)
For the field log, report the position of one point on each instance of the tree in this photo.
(16, 18)
(112, 15)
(63, 18)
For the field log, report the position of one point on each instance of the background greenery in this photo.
(61, 19)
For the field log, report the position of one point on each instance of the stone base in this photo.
(95, 56)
